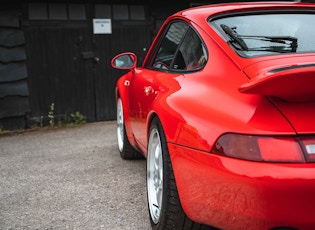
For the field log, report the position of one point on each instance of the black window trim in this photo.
(154, 52)
(149, 63)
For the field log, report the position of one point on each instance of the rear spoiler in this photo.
(294, 83)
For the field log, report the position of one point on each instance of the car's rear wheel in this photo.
(126, 150)
(163, 201)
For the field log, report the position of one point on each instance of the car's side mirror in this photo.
(124, 61)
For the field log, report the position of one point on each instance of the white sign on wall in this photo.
(102, 26)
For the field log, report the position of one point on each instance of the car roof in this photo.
(204, 12)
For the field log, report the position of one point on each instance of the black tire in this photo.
(171, 214)
(126, 150)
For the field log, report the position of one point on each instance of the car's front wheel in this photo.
(126, 150)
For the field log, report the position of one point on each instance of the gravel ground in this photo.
(70, 178)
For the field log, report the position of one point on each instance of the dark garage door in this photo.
(69, 62)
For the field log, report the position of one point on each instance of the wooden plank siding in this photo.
(62, 66)
(57, 72)
(14, 93)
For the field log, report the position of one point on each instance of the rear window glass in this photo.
(268, 33)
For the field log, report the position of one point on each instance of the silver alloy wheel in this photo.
(155, 175)
(120, 125)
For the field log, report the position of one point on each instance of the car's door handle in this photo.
(148, 90)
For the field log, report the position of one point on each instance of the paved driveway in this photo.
(70, 178)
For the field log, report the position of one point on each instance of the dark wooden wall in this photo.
(14, 104)
(61, 63)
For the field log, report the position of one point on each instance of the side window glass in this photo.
(169, 45)
(192, 53)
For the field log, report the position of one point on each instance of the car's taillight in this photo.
(309, 145)
(261, 148)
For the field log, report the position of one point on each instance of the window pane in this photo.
(169, 46)
(120, 12)
(192, 51)
(57, 11)
(37, 11)
(103, 11)
(77, 11)
(288, 28)
(137, 13)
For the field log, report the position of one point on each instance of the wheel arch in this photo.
(170, 119)
(168, 126)
(150, 118)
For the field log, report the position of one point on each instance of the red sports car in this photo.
(223, 110)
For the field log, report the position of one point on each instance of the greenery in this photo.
(77, 118)
(57, 120)
(51, 115)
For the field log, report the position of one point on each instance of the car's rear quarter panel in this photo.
(203, 105)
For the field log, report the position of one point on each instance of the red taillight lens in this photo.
(238, 146)
(259, 148)
(280, 149)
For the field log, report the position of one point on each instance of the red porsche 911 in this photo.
(223, 110)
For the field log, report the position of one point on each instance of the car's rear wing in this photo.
(293, 83)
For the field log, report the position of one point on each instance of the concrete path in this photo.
(70, 178)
